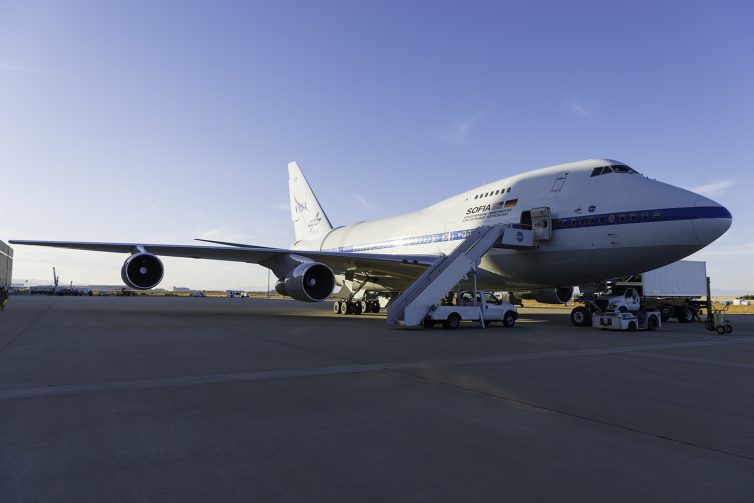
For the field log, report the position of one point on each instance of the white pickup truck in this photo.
(483, 307)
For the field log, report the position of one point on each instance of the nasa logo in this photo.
(519, 236)
(592, 208)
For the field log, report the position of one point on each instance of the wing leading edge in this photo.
(399, 266)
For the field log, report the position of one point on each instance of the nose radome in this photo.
(712, 221)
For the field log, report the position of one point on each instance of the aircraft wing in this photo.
(398, 266)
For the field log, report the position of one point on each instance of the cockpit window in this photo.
(622, 168)
(615, 168)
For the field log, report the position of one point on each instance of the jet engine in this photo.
(550, 295)
(142, 271)
(308, 282)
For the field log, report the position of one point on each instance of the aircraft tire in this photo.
(336, 307)
(343, 307)
(356, 307)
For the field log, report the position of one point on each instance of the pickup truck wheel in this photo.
(453, 321)
(580, 317)
(509, 319)
(652, 323)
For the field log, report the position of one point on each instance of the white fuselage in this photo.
(604, 226)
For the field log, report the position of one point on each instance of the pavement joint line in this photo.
(578, 416)
(31, 324)
(703, 361)
(358, 368)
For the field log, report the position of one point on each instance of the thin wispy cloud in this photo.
(151, 209)
(713, 189)
(7, 66)
(459, 133)
(577, 107)
(368, 205)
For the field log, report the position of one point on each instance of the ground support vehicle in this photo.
(674, 290)
(482, 307)
(617, 320)
(717, 322)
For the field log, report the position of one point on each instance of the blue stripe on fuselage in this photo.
(559, 224)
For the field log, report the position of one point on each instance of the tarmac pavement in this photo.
(204, 399)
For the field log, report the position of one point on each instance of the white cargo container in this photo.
(673, 290)
(6, 265)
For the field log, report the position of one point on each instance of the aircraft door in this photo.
(541, 223)
(559, 181)
(448, 243)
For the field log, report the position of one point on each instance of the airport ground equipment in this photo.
(716, 319)
(643, 320)
(411, 307)
(472, 306)
(6, 265)
(673, 290)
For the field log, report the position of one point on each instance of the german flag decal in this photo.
(510, 203)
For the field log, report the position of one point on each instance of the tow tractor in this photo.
(623, 320)
(483, 307)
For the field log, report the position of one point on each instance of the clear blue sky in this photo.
(165, 121)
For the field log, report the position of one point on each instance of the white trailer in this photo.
(485, 308)
(674, 290)
(6, 265)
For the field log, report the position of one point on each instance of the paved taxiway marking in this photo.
(702, 361)
(357, 368)
(561, 412)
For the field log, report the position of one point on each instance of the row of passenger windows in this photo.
(620, 218)
(492, 193)
(616, 168)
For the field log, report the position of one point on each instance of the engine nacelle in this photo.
(308, 282)
(551, 295)
(142, 271)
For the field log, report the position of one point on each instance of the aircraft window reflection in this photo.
(615, 168)
(622, 218)
(645, 216)
(611, 218)
(476, 196)
(602, 220)
(497, 192)
(622, 168)
(509, 189)
(657, 215)
(633, 217)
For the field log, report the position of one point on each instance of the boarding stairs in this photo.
(411, 307)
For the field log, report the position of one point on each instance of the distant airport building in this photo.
(6, 265)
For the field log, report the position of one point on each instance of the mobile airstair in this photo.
(411, 307)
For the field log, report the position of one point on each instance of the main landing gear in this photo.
(356, 307)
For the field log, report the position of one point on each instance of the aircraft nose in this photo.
(713, 220)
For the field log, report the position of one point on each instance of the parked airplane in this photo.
(593, 219)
